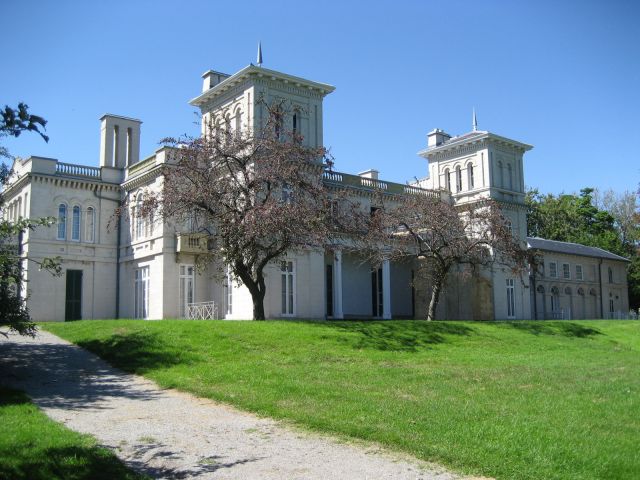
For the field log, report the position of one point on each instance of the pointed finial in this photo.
(259, 60)
(475, 120)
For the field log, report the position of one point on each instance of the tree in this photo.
(572, 218)
(258, 194)
(442, 235)
(13, 310)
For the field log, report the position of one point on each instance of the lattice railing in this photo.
(202, 311)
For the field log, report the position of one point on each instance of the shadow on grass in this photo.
(136, 352)
(69, 463)
(567, 329)
(407, 336)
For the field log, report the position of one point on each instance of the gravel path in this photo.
(169, 434)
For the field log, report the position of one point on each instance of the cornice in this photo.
(143, 179)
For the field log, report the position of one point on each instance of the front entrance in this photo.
(73, 303)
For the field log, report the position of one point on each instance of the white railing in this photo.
(631, 315)
(202, 311)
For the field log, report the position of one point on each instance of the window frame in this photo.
(62, 225)
(553, 269)
(566, 271)
(580, 275)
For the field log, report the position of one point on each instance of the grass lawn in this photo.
(520, 400)
(34, 447)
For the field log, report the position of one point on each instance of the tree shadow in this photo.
(394, 335)
(137, 352)
(68, 463)
(63, 376)
(564, 328)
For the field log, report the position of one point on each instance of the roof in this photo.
(572, 249)
(252, 70)
(472, 137)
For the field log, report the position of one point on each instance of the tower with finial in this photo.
(475, 120)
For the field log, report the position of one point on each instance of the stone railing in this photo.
(192, 242)
(72, 170)
(340, 179)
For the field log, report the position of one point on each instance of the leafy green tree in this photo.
(13, 310)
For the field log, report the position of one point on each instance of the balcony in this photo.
(193, 242)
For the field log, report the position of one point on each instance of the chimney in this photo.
(371, 173)
(211, 78)
(437, 137)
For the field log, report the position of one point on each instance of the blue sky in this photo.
(563, 76)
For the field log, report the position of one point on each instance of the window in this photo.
(228, 288)
(295, 123)
(566, 271)
(287, 275)
(579, 272)
(141, 293)
(553, 269)
(89, 225)
(610, 275)
(511, 299)
(470, 180)
(75, 225)
(187, 280)
(447, 179)
(140, 224)
(500, 174)
(458, 179)
(611, 306)
(238, 122)
(555, 299)
(510, 174)
(62, 221)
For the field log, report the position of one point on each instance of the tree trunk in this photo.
(435, 297)
(258, 307)
(256, 288)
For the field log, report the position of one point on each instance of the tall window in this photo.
(500, 174)
(470, 179)
(610, 275)
(511, 298)
(62, 221)
(287, 277)
(510, 173)
(141, 293)
(458, 179)
(140, 224)
(566, 271)
(553, 269)
(447, 179)
(238, 122)
(75, 226)
(187, 283)
(89, 225)
(579, 272)
(228, 291)
(555, 299)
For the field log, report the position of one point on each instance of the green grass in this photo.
(34, 447)
(524, 400)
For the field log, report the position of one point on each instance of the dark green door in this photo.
(73, 305)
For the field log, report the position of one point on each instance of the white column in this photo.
(386, 289)
(337, 285)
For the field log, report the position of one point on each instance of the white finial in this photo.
(475, 120)
(259, 60)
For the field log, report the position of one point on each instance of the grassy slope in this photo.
(33, 447)
(511, 400)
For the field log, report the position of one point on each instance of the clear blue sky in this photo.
(563, 76)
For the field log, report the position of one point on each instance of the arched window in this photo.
(510, 173)
(447, 179)
(500, 175)
(139, 218)
(610, 275)
(75, 224)
(238, 122)
(295, 123)
(89, 225)
(62, 222)
(227, 127)
(458, 179)
(470, 179)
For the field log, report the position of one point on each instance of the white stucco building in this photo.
(144, 268)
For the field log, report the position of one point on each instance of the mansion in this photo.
(145, 268)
